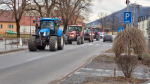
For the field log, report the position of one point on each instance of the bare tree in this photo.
(48, 5)
(114, 21)
(69, 7)
(17, 7)
(103, 19)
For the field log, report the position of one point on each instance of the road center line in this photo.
(34, 58)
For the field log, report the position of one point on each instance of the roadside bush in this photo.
(127, 64)
(130, 41)
(142, 56)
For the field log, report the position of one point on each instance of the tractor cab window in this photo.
(75, 28)
(47, 24)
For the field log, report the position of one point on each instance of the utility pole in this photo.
(133, 14)
(127, 2)
(149, 31)
(138, 9)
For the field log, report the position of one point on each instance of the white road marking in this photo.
(34, 58)
(96, 44)
(104, 45)
(90, 44)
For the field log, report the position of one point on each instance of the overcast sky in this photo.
(108, 6)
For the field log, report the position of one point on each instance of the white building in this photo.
(143, 24)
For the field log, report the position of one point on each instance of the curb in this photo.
(70, 74)
(11, 50)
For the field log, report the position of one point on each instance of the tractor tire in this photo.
(66, 40)
(41, 47)
(97, 38)
(69, 42)
(78, 40)
(53, 44)
(31, 44)
(90, 40)
(82, 40)
(61, 42)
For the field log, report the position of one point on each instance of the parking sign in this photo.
(120, 29)
(127, 17)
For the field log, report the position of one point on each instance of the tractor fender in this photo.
(59, 31)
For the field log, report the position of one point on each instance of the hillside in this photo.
(143, 11)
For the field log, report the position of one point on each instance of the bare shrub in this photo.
(130, 40)
(127, 63)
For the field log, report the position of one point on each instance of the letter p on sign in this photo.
(127, 15)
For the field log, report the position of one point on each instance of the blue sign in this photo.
(127, 17)
(120, 29)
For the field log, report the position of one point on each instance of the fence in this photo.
(12, 43)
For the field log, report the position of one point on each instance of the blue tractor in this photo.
(47, 34)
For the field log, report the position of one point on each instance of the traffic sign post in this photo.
(127, 17)
(120, 29)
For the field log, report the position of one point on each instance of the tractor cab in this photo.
(76, 28)
(49, 26)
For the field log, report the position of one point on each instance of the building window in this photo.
(0, 26)
(10, 26)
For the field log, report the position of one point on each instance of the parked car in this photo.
(10, 32)
(107, 38)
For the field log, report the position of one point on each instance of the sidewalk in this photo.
(98, 69)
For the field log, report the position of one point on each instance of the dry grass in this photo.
(109, 51)
(113, 80)
(130, 40)
(103, 58)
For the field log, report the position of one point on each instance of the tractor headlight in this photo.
(44, 34)
(90, 33)
(93, 34)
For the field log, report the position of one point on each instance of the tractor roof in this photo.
(49, 19)
(75, 25)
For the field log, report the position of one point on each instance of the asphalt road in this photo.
(42, 67)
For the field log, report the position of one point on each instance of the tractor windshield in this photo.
(47, 24)
(75, 28)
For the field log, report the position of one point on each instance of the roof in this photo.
(49, 19)
(26, 21)
(7, 17)
(75, 25)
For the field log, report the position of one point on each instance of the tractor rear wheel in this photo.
(41, 47)
(31, 44)
(78, 40)
(82, 40)
(97, 38)
(53, 45)
(61, 42)
(66, 40)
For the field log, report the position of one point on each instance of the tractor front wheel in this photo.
(97, 38)
(53, 45)
(31, 44)
(78, 40)
(61, 42)
(82, 40)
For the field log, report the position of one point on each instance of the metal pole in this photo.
(5, 43)
(149, 31)
(30, 25)
(127, 10)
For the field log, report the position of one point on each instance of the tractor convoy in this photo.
(49, 34)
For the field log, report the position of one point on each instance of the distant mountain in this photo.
(143, 11)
